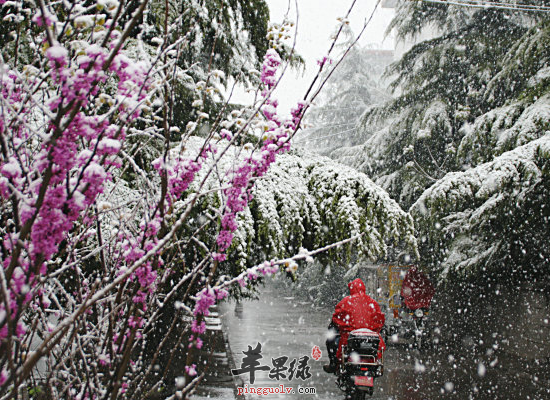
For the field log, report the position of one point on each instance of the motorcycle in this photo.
(359, 365)
(422, 331)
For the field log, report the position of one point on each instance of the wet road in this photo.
(289, 326)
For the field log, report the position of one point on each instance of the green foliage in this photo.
(503, 129)
(490, 219)
(214, 31)
(17, 34)
(472, 104)
(411, 153)
(221, 35)
(441, 82)
(308, 202)
(520, 75)
(457, 65)
(412, 17)
(302, 202)
(35, 392)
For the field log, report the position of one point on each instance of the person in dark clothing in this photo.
(356, 311)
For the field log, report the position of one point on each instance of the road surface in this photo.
(288, 326)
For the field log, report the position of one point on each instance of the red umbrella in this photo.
(417, 290)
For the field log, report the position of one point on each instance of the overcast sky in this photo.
(316, 23)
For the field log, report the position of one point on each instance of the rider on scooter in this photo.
(356, 311)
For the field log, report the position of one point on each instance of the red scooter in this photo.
(360, 364)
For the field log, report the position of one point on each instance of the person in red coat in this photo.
(356, 311)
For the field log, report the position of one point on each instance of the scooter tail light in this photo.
(362, 360)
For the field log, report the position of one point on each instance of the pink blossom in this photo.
(39, 19)
(146, 275)
(221, 294)
(219, 256)
(252, 276)
(108, 146)
(239, 192)
(20, 329)
(191, 370)
(269, 68)
(58, 56)
(3, 373)
(181, 176)
(324, 60)
(135, 322)
(224, 240)
(206, 298)
(74, 155)
(198, 328)
(225, 134)
(104, 359)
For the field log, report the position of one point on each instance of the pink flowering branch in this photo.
(52, 162)
(111, 270)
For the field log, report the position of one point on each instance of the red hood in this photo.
(356, 311)
(356, 287)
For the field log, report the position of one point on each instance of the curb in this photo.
(237, 380)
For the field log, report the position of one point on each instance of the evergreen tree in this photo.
(491, 220)
(519, 98)
(441, 83)
(355, 85)
(471, 105)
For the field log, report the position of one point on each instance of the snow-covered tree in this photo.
(355, 85)
(308, 201)
(495, 212)
(440, 84)
(519, 94)
(491, 220)
(469, 97)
